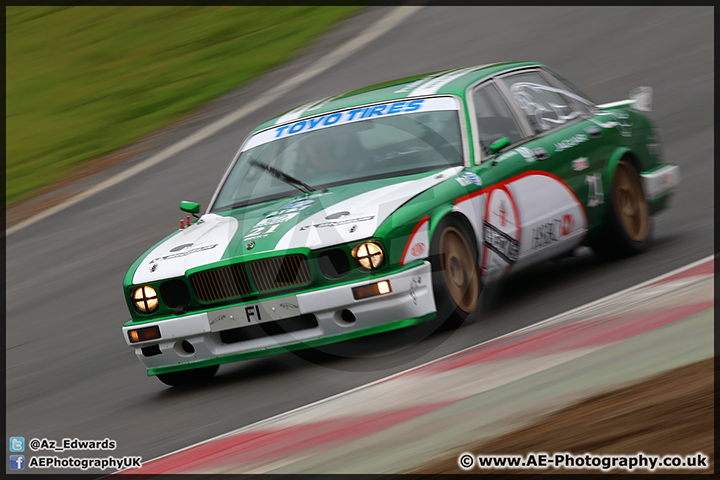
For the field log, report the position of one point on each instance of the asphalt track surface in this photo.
(69, 372)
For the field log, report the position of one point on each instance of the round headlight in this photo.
(145, 299)
(368, 255)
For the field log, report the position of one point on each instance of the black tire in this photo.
(628, 224)
(188, 377)
(455, 273)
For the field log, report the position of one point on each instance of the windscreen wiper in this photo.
(290, 180)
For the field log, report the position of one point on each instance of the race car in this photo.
(390, 206)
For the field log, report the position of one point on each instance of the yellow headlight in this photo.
(369, 255)
(145, 299)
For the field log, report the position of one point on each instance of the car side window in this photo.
(546, 107)
(579, 99)
(494, 117)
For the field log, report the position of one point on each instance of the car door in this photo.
(499, 225)
(567, 158)
(531, 202)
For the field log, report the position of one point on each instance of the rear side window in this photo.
(546, 107)
(494, 117)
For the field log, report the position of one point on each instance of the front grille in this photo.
(220, 283)
(269, 274)
(280, 272)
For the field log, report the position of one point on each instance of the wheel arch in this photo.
(621, 153)
(448, 213)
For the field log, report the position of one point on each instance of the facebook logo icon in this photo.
(17, 462)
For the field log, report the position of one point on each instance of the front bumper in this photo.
(660, 181)
(409, 302)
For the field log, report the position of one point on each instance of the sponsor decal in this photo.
(414, 285)
(181, 247)
(288, 306)
(567, 224)
(260, 232)
(302, 203)
(576, 139)
(250, 245)
(349, 116)
(469, 179)
(336, 224)
(272, 221)
(337, 215)
(595, 190)
(527, 154)
(580, 164)
(417, 249)
(544, 235)
(549, 233)
(501, 243)
(502, 212)
(276, 219)
(218, 319)
(474, 178)
(184, 254)
(359, 114)
(464, 181)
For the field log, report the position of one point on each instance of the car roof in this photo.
(454, 82)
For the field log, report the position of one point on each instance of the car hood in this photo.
(334, 216)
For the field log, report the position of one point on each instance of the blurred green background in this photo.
(84, 81)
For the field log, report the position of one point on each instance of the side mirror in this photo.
(642, 97)
(190, 207)
(498, 145)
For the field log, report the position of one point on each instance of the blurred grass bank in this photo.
(84, 81)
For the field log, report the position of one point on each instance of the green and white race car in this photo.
(393, 205)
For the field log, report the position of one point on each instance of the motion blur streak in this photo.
(64, 273)
(373, 32)
(391, 407)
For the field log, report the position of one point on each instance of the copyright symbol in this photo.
(34, 444)
(466, 461)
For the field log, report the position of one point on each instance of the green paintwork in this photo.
(601, 153)
(190, 207)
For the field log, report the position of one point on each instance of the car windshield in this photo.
(365, 143)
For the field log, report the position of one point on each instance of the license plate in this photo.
(253, 313)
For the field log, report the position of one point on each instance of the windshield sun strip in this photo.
(464, 151)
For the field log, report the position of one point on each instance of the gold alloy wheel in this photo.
(630, 200)
(459, 269)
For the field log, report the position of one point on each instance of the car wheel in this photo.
(456, 278)
(628, 227)
(188, 377)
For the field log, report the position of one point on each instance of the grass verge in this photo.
(84, 81)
